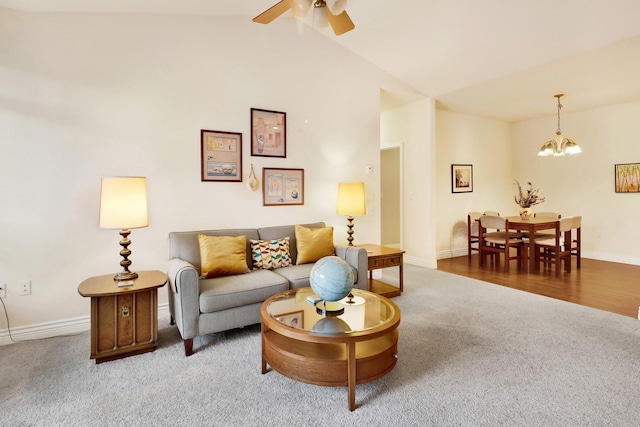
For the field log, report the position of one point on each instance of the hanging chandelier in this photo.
(559, 145)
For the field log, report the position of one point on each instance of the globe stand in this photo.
(329, 308)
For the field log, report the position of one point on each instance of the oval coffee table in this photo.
(358, 346)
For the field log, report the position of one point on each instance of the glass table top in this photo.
(299, 309)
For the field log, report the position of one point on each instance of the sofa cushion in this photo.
(270, 254)
(280, 231)
(314, 243)
(297, 275)
(222, 255)
(225, 292)
(184, 244)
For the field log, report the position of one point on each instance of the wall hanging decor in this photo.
(268, 133)
(253, 181)
(627, 178)
(461, 178)
(282, 186)
(221, 156)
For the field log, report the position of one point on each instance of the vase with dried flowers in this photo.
(527, 198)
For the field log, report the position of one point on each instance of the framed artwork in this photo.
(627, 178)
(461, 178)
(282, 186)
(268, 133)
(220, 156)
(294, 319)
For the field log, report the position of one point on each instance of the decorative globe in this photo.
(330, 325)
(331, 278)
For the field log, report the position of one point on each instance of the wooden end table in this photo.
(124, 320)
(383, 257)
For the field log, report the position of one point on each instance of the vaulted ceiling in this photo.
(496, 58)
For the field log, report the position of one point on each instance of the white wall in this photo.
(485, 144)
(85, 96)
(583, 184)
(414, 125)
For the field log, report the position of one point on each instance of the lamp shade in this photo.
(351, 199)
(123, 202)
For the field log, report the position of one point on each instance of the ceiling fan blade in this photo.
(273, 12)
(340, 23)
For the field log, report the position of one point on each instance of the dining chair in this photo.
(472, 232)
(577, 241)
(556, 249)
(546, 215)
(496, 243)
(549, 215)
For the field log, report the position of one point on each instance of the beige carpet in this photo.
(471, 354)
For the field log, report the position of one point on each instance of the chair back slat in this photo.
(550, 215)
(493, 222)
(566, 224)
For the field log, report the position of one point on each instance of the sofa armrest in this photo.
(356, 257)
(183, 296)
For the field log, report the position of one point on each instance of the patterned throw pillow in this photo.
(270, 254)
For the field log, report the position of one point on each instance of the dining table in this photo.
(530, 226)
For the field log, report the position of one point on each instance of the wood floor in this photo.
(599, 284)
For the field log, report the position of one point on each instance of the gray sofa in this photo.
(205, 306)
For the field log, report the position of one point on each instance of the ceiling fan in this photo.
(333, 10)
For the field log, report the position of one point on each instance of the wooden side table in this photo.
(383, 257)
(124, 320)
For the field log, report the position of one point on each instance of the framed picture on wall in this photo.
(220, 156)
(268, 133)
(627, 178)
(461, 178)
(282, 186)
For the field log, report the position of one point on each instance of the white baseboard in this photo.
(420, 262)
(55, 329)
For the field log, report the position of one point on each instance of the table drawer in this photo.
(385, 262)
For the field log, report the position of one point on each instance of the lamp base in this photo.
(350, 230)
(124, 276)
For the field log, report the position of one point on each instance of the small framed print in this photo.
(461, 178)
(282, 187)
(294, 319)
(627, 178)
(221, 156)
(268, 133)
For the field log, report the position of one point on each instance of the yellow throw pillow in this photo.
(313, 243)
(222, 255)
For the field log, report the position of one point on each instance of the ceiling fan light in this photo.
(336, 7)
(320, 18)
(300, 7)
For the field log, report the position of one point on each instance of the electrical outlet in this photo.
(25, 287)
(3, 290)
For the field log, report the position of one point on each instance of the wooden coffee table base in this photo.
(345, 364)
(334, 358)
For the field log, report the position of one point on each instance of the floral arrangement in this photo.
(530, 197)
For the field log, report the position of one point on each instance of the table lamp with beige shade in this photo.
(123, 205)
(351, 202)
